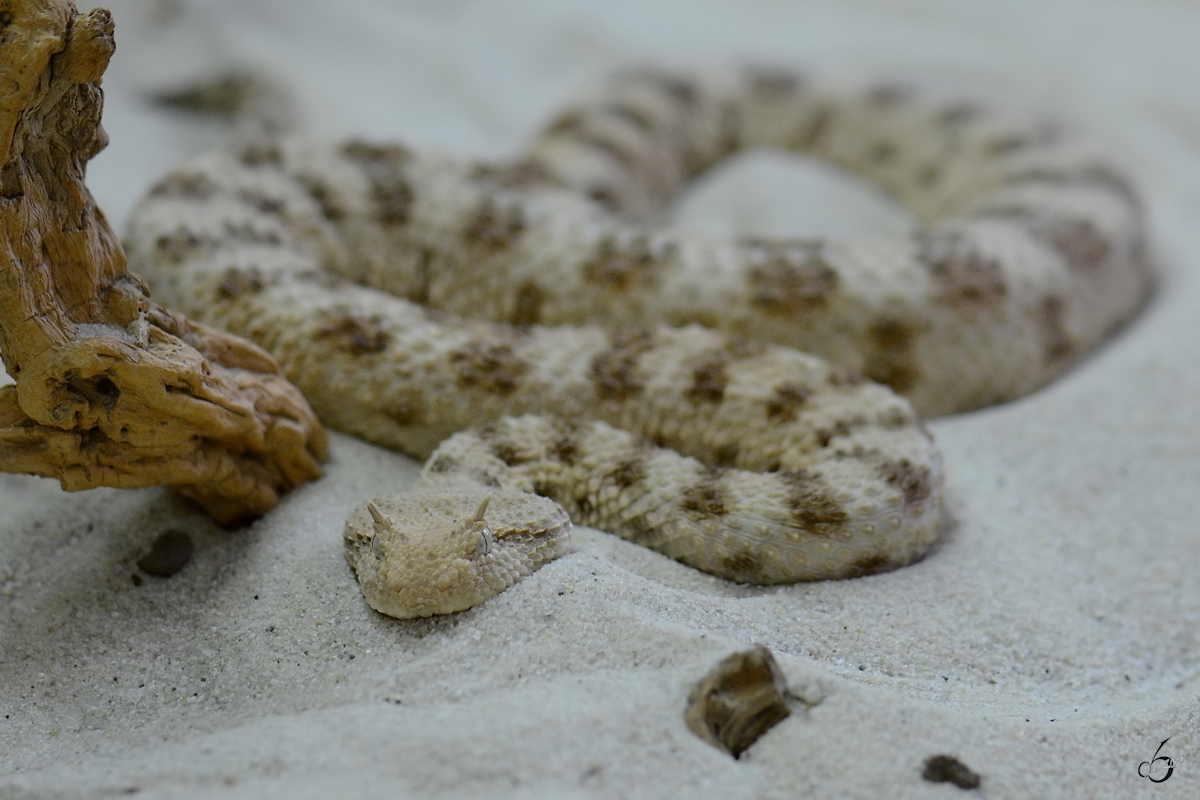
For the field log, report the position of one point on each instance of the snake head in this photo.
(422, 554)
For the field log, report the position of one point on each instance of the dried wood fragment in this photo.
(739, 700)
(112, 390)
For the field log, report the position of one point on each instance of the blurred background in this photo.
(477, 76)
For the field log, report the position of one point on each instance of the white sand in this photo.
(1050, 641)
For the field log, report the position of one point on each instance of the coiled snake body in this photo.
(412, 296)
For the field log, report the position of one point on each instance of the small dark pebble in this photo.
(137, 579)
(170, 552)
(948, 769)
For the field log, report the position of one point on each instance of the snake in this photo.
(561, 353)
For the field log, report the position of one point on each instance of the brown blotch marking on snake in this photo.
(868, 565)
(192, 187)
(708, 382)
(1056, 342)
(605, 196)
(582, 504)
(614, 372)
(407, 407)
(177, 247)
(324, 196)
(914, 482)
(527, 308)
(810, 503)
(840, 376)
(840, 429)
(484, 479)
(788, 277)
(738, 701)
(629, 472)
(784, 405)
(948, 769)
(359, 150)
(493, 369)
(494, 227)
(929, 174)
(1081, 245)
(510, 454)
(238, 282)
(261, 155)
(706, 497)
(632, 115)
(384, 168)
(620, 266)
(357, 336)
(882, 152)
(639, 529)
(773, 83)
(617, 151)
(968, 281)
(1093, 175)
(442, 464)
(891, 359)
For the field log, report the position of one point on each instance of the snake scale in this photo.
(559, 352)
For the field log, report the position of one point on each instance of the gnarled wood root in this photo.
(110, 389)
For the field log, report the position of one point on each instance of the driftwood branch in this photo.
(110, 389)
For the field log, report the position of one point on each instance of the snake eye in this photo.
(483, 545)
(382, 522)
